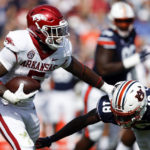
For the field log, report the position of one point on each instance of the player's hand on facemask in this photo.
(43, 142)
(18, 96)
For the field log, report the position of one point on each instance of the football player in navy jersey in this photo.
(129, 108)
(115, 57)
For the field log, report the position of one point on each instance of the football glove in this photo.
(107, 88)
(43, 142)
(18, 96)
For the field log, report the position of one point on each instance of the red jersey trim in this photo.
(85, 104)
(14, 140)
(41, 52)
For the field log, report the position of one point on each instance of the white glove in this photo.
(18, 96)
(107, 88)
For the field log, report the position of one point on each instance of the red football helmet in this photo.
(47, 23)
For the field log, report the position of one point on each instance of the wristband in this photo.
(107, 88)
(131, 61)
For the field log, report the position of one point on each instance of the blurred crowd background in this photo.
(86, 20)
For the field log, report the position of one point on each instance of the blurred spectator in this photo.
(3, 6)
(63, 5)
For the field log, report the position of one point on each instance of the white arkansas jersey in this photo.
(29, 59)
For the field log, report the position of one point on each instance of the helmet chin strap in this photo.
(54, 46)
(59, 40)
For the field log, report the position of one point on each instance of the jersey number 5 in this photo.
(36, 75)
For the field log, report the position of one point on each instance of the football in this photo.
(30, 85)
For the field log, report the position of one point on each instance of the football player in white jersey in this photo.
(36, 52)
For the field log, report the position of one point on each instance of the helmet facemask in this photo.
(123, 26)
(55, 34)
(129, 103)
(127, 120)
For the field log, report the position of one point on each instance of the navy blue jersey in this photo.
(123, 48)
(104, 111)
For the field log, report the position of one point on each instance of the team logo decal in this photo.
(31, 54)
(140, 95)
(38, 17)
(8, 40)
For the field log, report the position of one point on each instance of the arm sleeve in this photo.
(7, 58)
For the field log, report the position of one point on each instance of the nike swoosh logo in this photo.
(54, 59)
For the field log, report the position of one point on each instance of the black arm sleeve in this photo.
(84, 73)
(76, 125)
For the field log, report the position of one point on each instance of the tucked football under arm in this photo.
(76, 125)
(84, 73)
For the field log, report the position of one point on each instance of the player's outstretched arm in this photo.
(73, 126)
(89, 76)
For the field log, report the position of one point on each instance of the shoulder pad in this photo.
(107, 32)
(16, 40)
(66, 50)
(107, 39)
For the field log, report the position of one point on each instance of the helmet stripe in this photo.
(123, 101)
(122, 94)
(124, 11)
(119, 92)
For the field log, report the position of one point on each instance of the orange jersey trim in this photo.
(106, 43)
